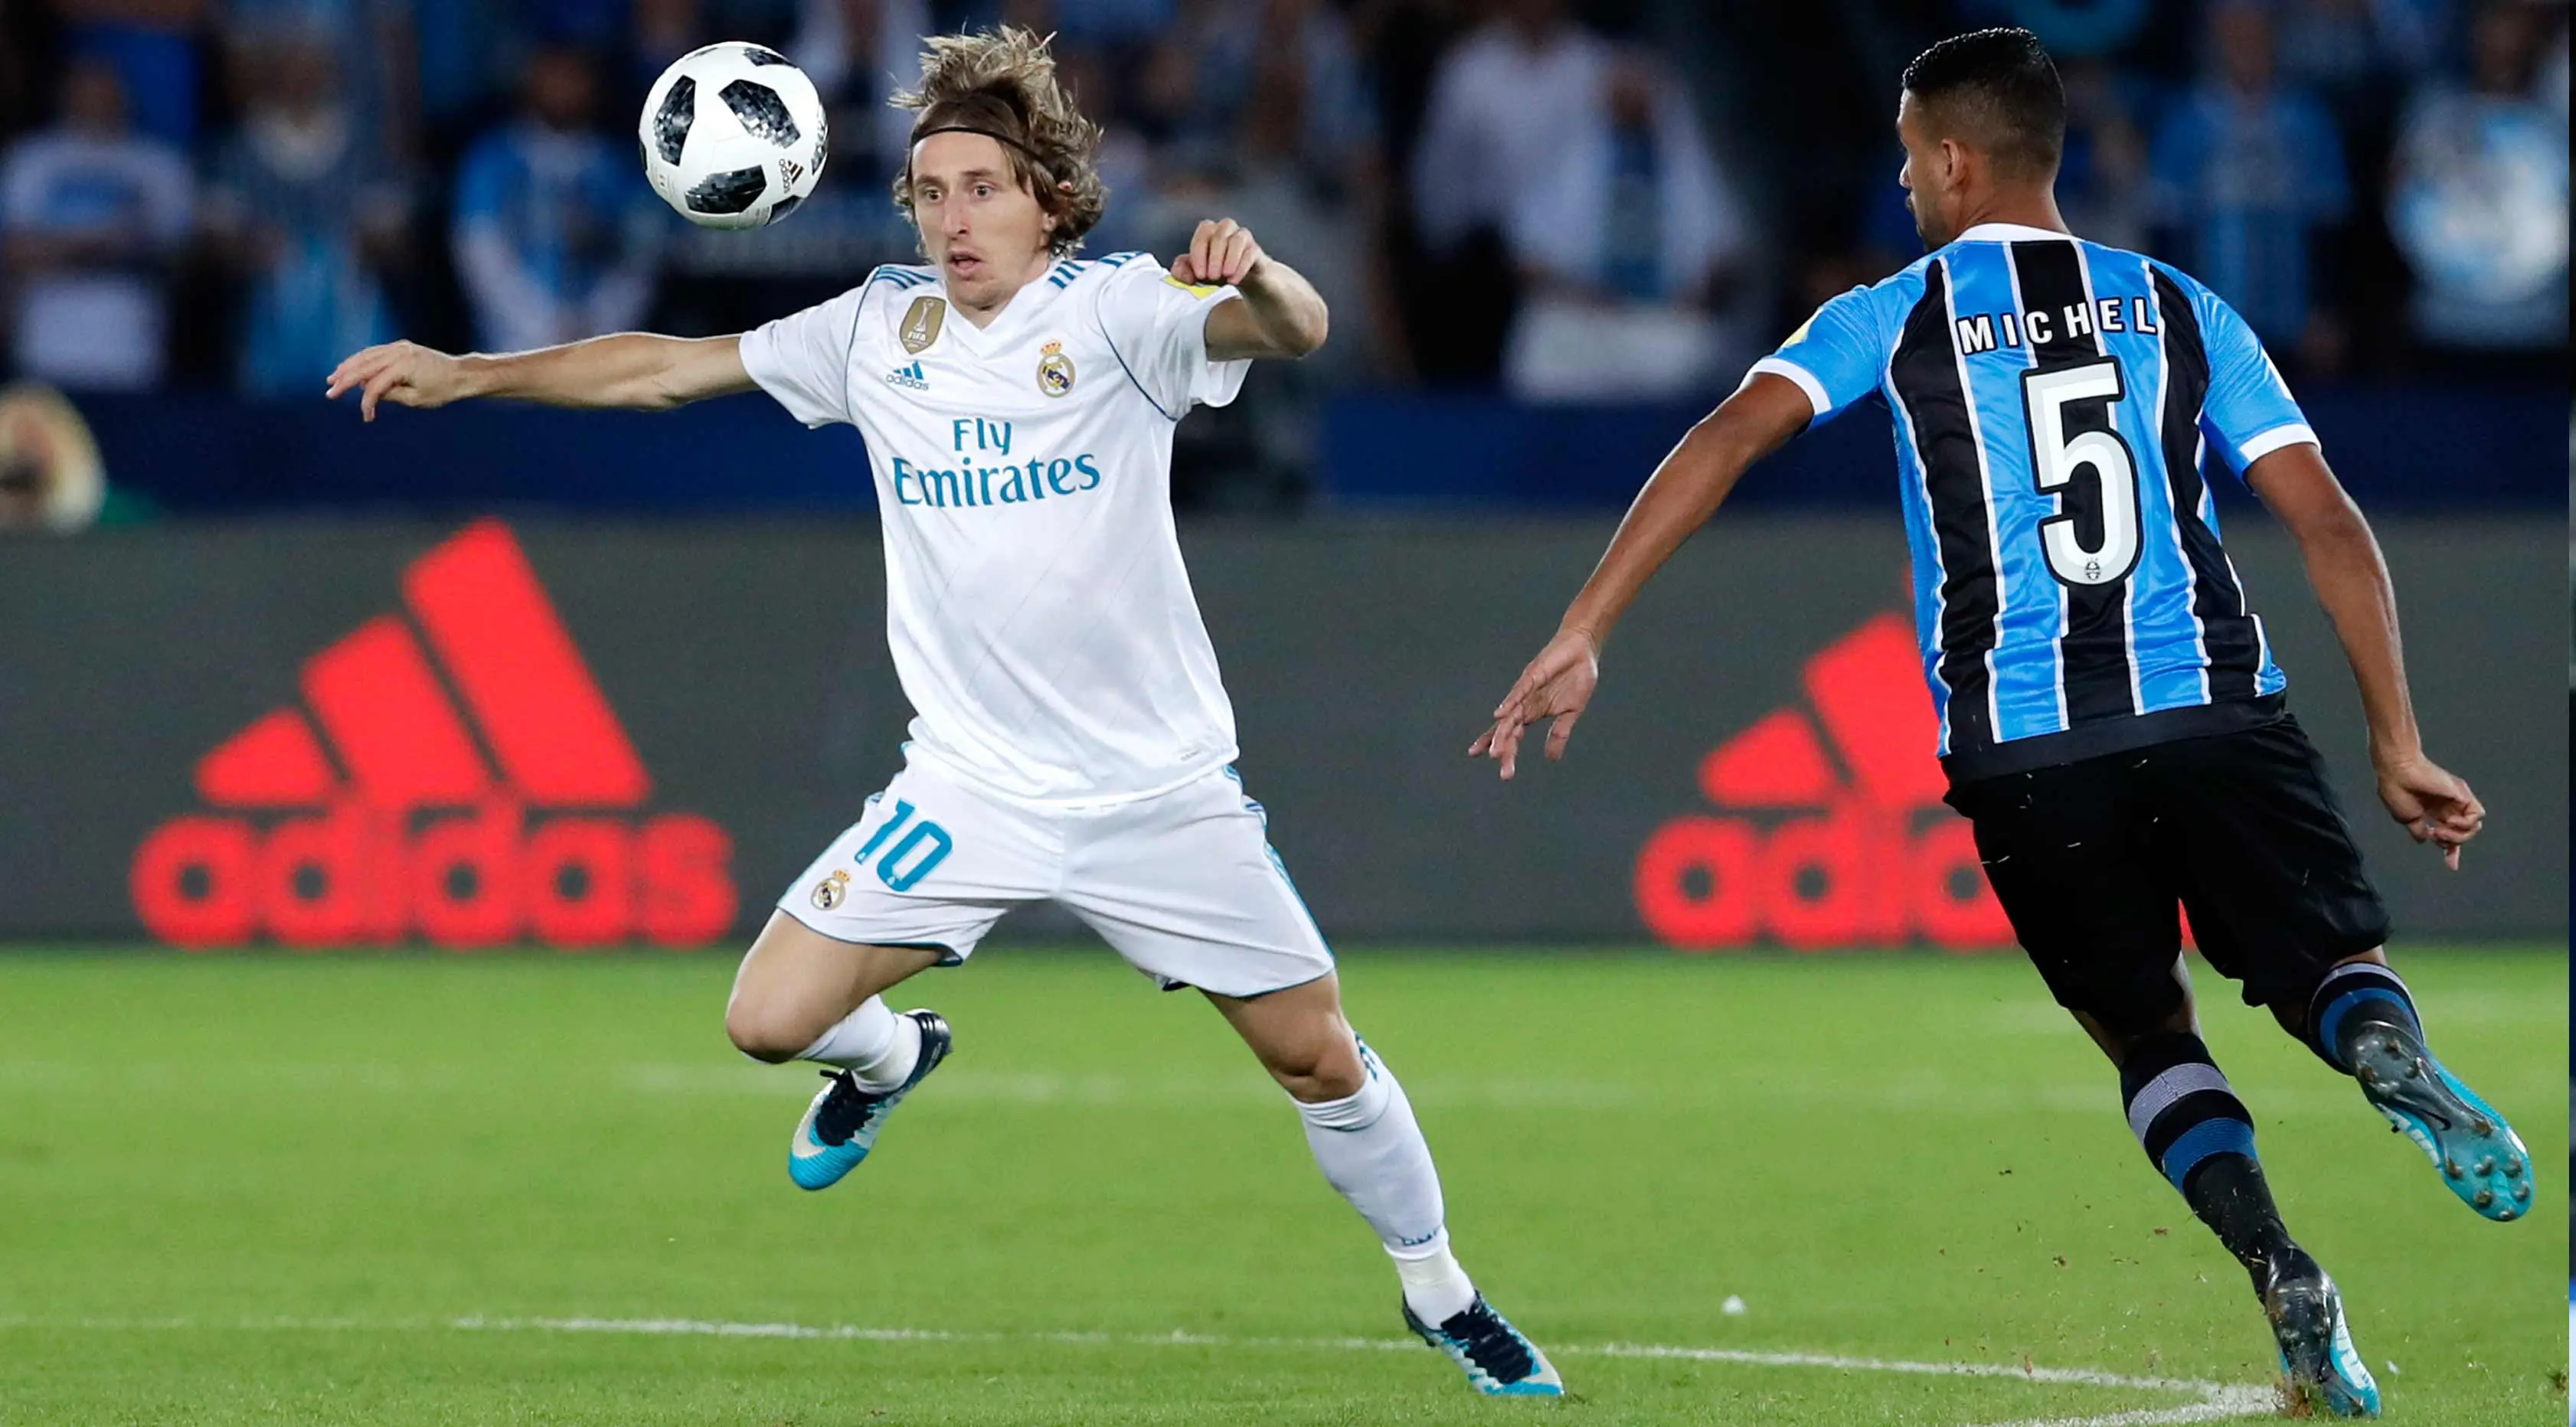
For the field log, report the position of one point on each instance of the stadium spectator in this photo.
(1130, 164)
(1308, 186)
(2250, 177)
(304, 205)
(2552, 87)
(858, 52)
(153, 46)
(2478, 196)
(2102, 179)
(660, 31)
(1038, 17)
(1630, 244)
(1500, 101)
(2348, 49)
(94, 215)
(366, 43)
(1288, 153)
(2072, 29)
(1215, 57)
(554, 231)
(1113, 23)
(593, 25)
(457, 69)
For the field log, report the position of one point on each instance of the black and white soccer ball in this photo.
(733, 136)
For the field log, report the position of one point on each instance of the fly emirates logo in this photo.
(982, 470)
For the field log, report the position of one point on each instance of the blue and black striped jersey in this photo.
(2055, 402)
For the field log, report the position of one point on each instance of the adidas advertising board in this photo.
(476, 733)
(1804, 855)
(449, 773)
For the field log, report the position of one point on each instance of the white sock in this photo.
(1371, 1149)
(1435, 1287)
(877, 1047)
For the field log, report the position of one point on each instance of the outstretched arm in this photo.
(2352, 583)
(634, 370)
(1281, 314)
(1683, 494)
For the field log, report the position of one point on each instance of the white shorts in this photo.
(1183, 884)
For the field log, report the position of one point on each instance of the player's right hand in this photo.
(404, 373)
(2433, 803)
(1556, 685)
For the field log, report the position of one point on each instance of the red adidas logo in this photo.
(1812, 854)
(374, 811)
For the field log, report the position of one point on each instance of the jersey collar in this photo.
(2010, 233)
(1021, 310)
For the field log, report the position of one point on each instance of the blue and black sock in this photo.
(2352, 998)
(2200, 1136)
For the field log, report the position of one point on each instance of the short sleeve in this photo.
(1835, 356)
(1157, 326)
(803, 359)
(2249, 412)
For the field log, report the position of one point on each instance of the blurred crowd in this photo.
(1564, 199)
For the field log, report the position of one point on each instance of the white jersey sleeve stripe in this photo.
(1817, 402)
(2296, 432)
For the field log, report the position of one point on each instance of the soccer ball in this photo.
(733, 136)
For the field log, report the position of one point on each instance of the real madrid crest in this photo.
(1055, 370)
(832, 890)
(921, 323)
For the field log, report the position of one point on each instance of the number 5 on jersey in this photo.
(912, 856)
(2057, 454)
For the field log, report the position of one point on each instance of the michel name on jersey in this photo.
(1986, 331)
(959, 479)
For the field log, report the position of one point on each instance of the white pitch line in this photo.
(2229, 1404)
(2081, 1377)
(2218, 1401)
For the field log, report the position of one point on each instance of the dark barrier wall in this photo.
(600, 734)
(2411, 448)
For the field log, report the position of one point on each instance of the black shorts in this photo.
(2090, 859)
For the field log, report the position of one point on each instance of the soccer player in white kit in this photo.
(1072, 741)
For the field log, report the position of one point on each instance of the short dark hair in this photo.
(1996, 90)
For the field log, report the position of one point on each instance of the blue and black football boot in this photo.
(841, 1126)
(2321, 1370)
(2480, 1158)
(1498, 1360)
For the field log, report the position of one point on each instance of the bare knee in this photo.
(1301, 1038)
(767, 1032)
(1324, 1068)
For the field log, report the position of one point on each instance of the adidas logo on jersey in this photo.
(399, 796)
(910, 376)
(1832, 831)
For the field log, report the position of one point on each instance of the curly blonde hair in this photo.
(1003, 83)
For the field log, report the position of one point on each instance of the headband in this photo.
(994, 134)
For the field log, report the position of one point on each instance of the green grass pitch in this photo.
(532, 1188)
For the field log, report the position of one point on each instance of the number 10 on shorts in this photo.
(912, 856)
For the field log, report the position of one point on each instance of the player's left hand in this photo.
(2433, 803)
(1222, 253)
(1556, 685)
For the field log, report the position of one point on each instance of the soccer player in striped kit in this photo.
(2111, 718)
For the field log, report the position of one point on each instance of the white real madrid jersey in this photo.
(1041, 621)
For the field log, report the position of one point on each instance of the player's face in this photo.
(1926, 177)
(982, 228)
